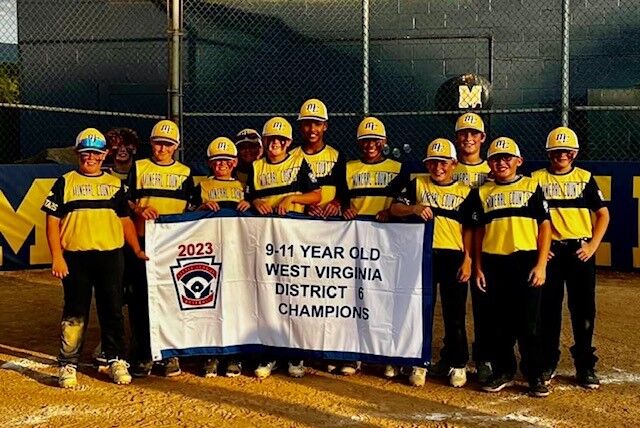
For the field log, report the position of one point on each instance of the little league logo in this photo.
(197, 281)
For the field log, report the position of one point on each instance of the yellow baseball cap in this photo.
(503, 146)
(313, 109)
(440, 149)
(277, 127)
(166, 131)
(470, 121)
(371, 127)
(222, 148)
(562, 138)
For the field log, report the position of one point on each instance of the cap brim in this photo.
(164, 140)
(371, 137)
(562, 148)
(442, 158)
(246, 140)
(318, 118)
(92, 149)
(504, 153)
(227, 157)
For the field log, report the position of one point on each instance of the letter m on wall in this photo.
(470, 97)
(17, 225)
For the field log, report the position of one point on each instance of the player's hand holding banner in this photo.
(332, 289)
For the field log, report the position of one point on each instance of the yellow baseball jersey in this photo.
(167, 188)
(325, 166)
(571, 197)
(227, 193)
(472, 175)
(89, 208)
(510, 213)
(451, 206)
(272, 182)
(370, 187)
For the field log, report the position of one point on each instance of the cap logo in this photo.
(563, 138)
(222, 145)
(370, 126)
(313, 108)
(437, 147)
(469, 119)
(165, 129)
(277, 126)
(502, 144)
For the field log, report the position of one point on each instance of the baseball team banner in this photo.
(290, 286)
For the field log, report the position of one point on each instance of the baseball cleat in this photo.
(234, 369)
(118, 370)
(67, 376)
(265, 368)
(458, 377)
(418, 376)
(496, 384)
(210, 368)
(351, 368)
(588, 379)
(296, 368)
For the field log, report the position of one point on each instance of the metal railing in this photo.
(217, 66)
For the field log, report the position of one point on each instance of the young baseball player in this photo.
(438, 196)
(441, 198)
(87, 225)
(368, 189)
(324, 160)
(572, 194)
(511, 249)
(218, 191)
(123, 145)
(158, 185)
(280, 183)
(473, 171)
(249, 145)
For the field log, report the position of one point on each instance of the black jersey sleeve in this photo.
(132, 190)
(538, 206)
(197, 195)
(189, 189)
(249, 190)
(340, 176)
(121, 201)
(54, 203)
(467, 209)
(306, 181)
(408, 195)
(399, 182)
(476, 214)
(593, 196)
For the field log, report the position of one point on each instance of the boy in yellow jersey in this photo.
(325, 161)
(511, 250)
(249, 145)
(572, 194)
(217, 192)
(373, 180)
(159, 185)
(280, 183)
(368, 189)
(87, 225)
(473, 171)
(438, 196)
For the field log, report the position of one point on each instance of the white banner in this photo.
(329, 289)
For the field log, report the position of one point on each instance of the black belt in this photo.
(571, 241)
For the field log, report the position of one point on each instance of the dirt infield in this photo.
(29, 326)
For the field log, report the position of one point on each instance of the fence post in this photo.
(175, 63)
(365, 57)
(565, 62)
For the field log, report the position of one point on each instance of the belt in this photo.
(567, 242)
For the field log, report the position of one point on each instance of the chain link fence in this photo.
(71, 64)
